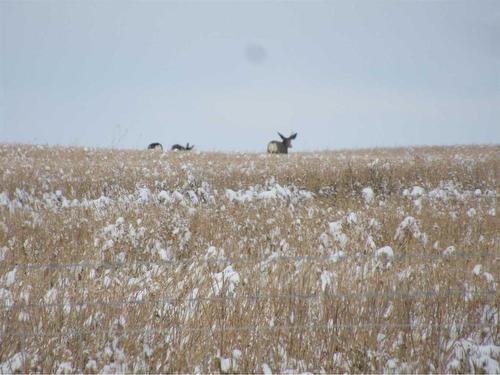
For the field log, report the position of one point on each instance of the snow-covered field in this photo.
(384, 260)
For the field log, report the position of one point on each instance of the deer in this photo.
(177, 147)
(155, 146)
(277, 147)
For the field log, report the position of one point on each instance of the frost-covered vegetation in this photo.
(383, 260)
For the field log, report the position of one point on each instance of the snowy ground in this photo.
(146, 261)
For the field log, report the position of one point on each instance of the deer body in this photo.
(155, 146)
(277, 147)
(178, 147)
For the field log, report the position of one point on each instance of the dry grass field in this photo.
(383, 260)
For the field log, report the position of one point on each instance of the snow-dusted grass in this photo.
(382, 260)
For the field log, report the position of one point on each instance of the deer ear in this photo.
(293, 136)
(282, 136)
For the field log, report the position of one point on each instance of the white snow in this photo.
(477, 269)
(417, 191)
(489, 277)
(228, 279)
(352, 218)
(3, 252)
(13, 364)
(4, 199)
(51, 296)
(213, 252)
(477, 358)
(336, 256)
(164, 196)
(65, 368)
(409, 225)
(266, 370)
(272, 192)
(225, 364)
(385, 251)
(391, 364)
(165, 254)
(449, 250)
(23, 316)
(6, 297)
(144, 194)
(368, 194)
(326, 279)
(91, 365)
(336, 231)
(370, 243)
(10, 277)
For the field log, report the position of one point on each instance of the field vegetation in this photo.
(379, 260)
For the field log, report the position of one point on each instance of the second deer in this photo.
(177, 147)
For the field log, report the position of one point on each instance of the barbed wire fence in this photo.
(288, 327)
(228, 298)
(255, 297)
(273, 258)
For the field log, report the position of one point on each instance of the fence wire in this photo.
(405, 295)
(161, 302)
(250, 328)
(336, 257)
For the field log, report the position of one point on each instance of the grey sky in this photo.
(228, 75)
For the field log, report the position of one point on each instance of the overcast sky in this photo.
(228, 75)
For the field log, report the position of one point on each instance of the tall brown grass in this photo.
(294, 295)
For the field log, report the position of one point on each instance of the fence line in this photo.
(256, 297)
(270, 258)
(212, 329)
